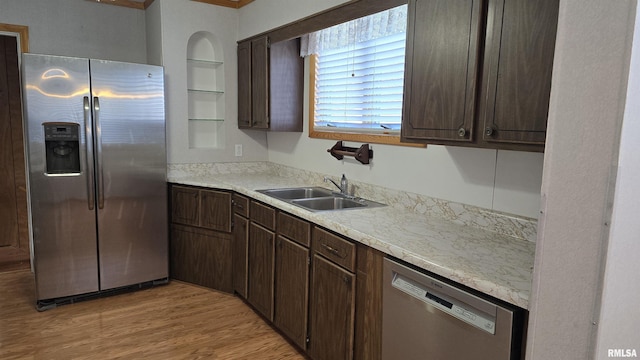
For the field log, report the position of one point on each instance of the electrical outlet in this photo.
(238, 149)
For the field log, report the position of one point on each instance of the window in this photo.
(356, 78)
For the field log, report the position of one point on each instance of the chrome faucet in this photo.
(344, 184)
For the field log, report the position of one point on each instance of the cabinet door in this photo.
(215, 210)
(368, 327)
(184, 205)
(517, 73)
(260, 83)
(261, 254)
(244, 84)
(332, 311)
(286, 81)
(240, 240)
(201, 257)
(441, 70)
(291, 290)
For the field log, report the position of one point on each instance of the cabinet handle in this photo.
(333, 250)
(489, 131)
(239, 206)
(462, 132)
(346, 279)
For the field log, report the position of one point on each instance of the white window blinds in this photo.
(359, 73)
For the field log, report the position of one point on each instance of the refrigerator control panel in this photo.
(61, 132)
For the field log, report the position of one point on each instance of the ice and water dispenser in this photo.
(62, 147)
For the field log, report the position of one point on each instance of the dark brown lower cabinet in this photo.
(261, 255)
(331, 308)
(201, 257)
(291, 290)
(332, 311)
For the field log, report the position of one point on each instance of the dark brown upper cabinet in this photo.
(270, 85)
(519, 51)
(441, 68)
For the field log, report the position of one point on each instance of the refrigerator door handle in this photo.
(98, 142)
(88, 131)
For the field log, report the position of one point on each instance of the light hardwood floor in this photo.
(175, 321)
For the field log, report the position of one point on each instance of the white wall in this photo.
(79, 28)
(619, 317)
(180, 19)
(153, 21)
(505, 181)
(588, 95)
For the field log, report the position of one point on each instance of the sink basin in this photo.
(298, 193)
(329, 203)
(315, 198)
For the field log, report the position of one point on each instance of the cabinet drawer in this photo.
(185, 202)
(263, 215)
(215, 210)
(240, 205)
(334, 248)
(295, 229)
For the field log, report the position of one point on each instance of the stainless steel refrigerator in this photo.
(96, 152)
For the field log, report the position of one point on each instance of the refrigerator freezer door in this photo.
(128, 106)
(63, 225)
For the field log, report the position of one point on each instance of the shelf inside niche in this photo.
(213, 63)
(206, 119)
(203, 91)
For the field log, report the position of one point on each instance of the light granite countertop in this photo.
(490, 262)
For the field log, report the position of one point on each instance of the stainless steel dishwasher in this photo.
(425, 318)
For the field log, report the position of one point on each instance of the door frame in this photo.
(15, 257)
(21, 32)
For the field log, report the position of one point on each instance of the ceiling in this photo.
(143, 4)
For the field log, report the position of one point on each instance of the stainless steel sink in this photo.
(329, 203)
(298, 193)
(318, 199)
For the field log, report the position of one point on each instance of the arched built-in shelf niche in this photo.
(205, 91)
